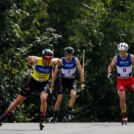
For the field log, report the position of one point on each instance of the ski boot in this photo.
(54, 118)
(124, 118)
(68, 117)
(42, 123)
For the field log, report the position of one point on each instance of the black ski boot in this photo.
(68, 117)
(42, 123)
(124, 118)
(54, 118)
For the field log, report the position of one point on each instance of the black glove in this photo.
(29, 66)
(109, 75)
(60, 67)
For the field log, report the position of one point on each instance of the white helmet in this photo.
(122, 46)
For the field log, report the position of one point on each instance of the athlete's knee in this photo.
(18, 101)
(73, 94)
(43, 98)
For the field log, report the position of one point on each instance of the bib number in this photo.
(124, 70)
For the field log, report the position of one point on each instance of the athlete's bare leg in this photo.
(43, 97)
(58, 102)
(72, 99)
(17, 102)
(122, 97)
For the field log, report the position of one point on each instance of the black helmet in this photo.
(47, 52)
(68, 50)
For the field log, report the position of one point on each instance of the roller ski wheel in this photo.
(42, 125)
(53, 119)
(68, 118)
(124, 121)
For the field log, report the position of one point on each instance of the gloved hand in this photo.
(82, 85)
(51, 89)
(59, 67)
(109, 75)
(29, 66)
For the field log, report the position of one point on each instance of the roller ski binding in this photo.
(54, 118)
(124, 118)
(42, 123)
(68, 118)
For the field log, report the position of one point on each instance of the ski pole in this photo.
(111, 81)
(83, 62)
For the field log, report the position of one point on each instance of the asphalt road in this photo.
(67, 128)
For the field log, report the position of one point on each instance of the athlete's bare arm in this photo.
(79, 69)
(113, 63)
(55, 61)
(132, 59)
(54, 77)
(32, 60)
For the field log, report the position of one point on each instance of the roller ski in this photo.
(54, 118)
(2, 118)
(42, 123)
(124, 118)
(124, 121)
(68, 118)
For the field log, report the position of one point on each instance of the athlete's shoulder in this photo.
(76, 59)
(131, 55)
(63, 59)
(132, 58)
(115, 58)
(55, 60)
(77, 62)
(32, 59)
